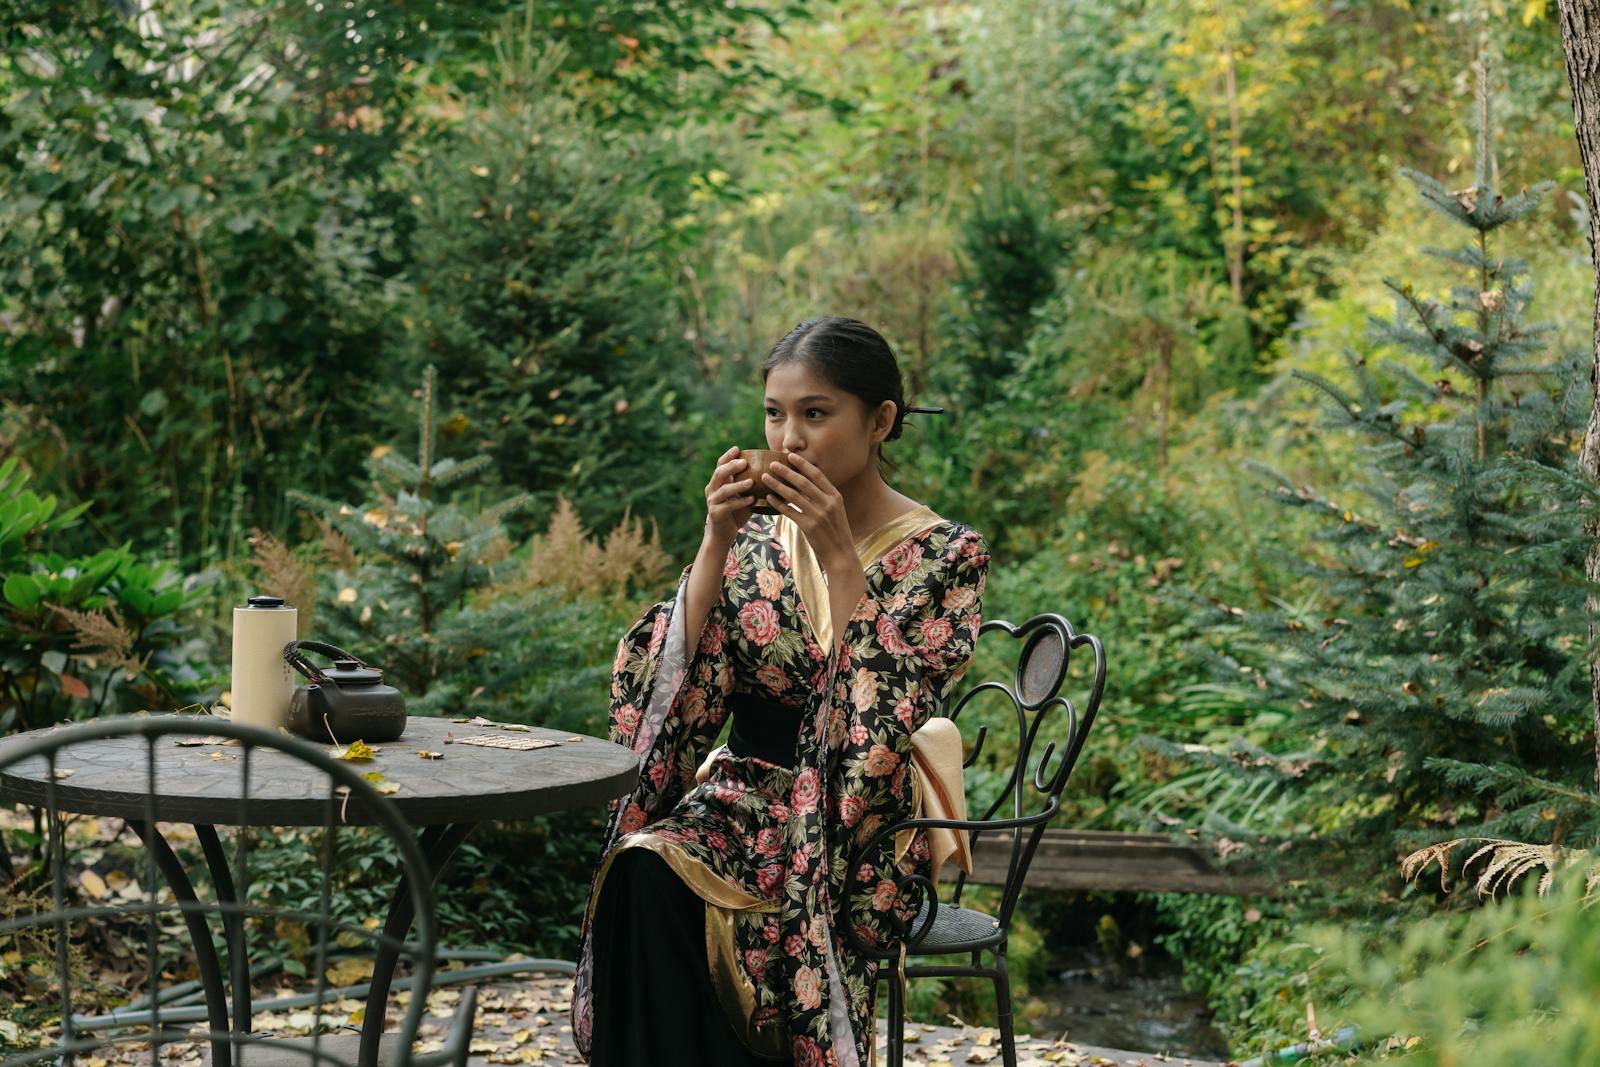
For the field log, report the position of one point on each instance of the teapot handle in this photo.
(296, 659)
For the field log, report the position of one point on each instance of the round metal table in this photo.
(444, 798)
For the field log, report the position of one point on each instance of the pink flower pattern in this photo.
(780, 833)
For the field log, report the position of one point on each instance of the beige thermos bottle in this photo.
(262, 681)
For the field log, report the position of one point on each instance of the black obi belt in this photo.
(763, 727)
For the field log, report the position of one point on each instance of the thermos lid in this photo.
(265, 602)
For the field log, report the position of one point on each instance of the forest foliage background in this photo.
(1139, 250)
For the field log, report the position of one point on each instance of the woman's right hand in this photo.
(729, 503)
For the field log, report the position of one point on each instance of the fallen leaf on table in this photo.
(186, 742)
(517, 726)
(356, 752)
(380, 783)
(63, 772)
(224, 757)
(425, 754)
(574, 740)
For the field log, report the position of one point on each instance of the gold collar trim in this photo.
(811, 584)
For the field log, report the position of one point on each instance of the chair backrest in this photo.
(1050, 729)
(48, 770)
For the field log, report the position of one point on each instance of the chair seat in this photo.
(955, 929)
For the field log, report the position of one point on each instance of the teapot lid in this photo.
(347, 672)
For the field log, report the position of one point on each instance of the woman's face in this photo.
(825, 424)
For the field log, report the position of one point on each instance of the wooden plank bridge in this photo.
(1111, 861)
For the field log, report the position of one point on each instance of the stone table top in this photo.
(201, 783)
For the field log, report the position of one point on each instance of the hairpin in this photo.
(915, 409)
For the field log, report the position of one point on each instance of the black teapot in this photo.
(345, 704)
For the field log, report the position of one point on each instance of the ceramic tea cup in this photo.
(760, 459)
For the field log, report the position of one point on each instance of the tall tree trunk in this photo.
(1235, 142)
(1580, 38)
(1165, 362)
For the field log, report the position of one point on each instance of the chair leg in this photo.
(896, 1051)
(1002, 1000)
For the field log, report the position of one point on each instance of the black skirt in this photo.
(653, 1000)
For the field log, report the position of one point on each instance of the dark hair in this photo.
(850, 355)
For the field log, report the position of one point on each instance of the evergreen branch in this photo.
(396, 468)
(1509, 783)
(1429, 391)
(449, 471)
(1524, 203)
(498, 512)
(1440, 341)
(1437, 196)
(1268, 471)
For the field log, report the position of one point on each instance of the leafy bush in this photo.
(82, 636)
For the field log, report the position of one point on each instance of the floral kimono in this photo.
(767, 846)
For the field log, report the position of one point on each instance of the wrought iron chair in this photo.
(951, 928)
(36, 769)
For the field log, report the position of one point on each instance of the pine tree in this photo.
(431, 590)
(1437, 687)
(416, 560)
(551, 322)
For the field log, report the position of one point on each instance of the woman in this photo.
(829, 633)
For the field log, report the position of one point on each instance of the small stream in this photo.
(1140, 1007)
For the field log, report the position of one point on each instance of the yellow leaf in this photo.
(93, 884)
(347, 595)
(480, 170)
(349, 972)
(381, 450)
(1414, 561)
(356, 752)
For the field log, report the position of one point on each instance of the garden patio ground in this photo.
(525, 1022)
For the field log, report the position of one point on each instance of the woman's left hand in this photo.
(821, 517)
